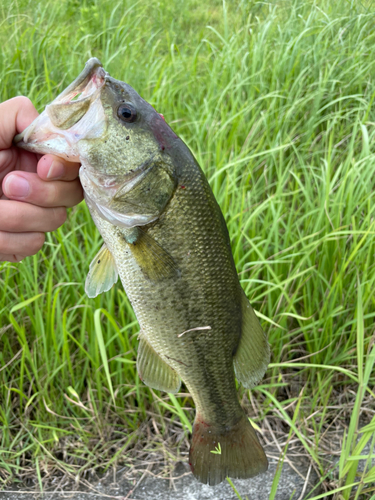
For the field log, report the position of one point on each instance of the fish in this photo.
(166, 237)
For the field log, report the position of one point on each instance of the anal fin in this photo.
(155, 372)
(253, 352)
(102, 274)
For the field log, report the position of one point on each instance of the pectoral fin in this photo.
(154, 261)
(253, 352)
(102, 274)
(155, 372)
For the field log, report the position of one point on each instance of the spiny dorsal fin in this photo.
(154, 261)
(102, 274)
(155, 372)
(253, 352)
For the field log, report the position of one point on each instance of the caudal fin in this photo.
(217, 452)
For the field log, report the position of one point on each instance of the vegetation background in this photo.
(275, 99)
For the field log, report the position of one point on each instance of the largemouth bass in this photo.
(166, 237)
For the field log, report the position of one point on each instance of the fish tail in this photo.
(217, 452)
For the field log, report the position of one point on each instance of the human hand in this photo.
(34, 190)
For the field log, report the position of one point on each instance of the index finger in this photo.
(16, 114)
(52, 168)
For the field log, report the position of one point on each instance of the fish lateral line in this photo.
(177, 361)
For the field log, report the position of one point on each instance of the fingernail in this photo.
(16, 186)
(57, 170)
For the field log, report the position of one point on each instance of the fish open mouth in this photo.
(75, 114)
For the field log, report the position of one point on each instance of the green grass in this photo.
(276, 102)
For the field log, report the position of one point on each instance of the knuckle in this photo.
(20, 244)
(78, 194)
(60, 215)
(37, 242)
(47, 194)
(52, 194)
(5, 244)
(24, 101)
(7, 159)
(12, 258)
(6, 258)
(71, 193)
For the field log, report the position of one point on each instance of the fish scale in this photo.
(165, 236)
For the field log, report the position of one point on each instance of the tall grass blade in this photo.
(103, 353)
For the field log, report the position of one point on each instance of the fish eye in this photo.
(127, 112)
